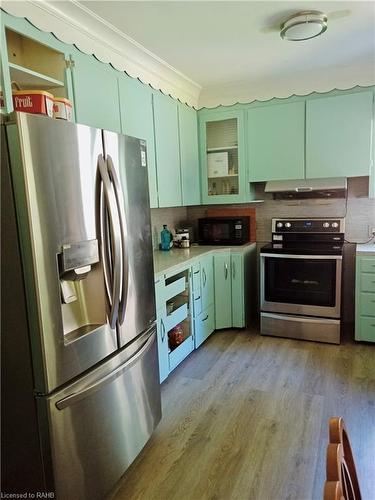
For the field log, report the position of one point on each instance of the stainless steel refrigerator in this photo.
(80, 381)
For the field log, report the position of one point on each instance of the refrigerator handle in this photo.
(110, 242)
(123, 231)
(77, 396)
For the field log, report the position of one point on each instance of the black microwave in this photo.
(223, 230)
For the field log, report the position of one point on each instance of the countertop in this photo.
(166, 261)
(365, 249)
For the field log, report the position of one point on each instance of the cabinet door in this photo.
(5, 83)
(137, 121)
(276, 142)
(223, 294)
(167, 151)
(338, 135)
(238, 291)
(207, 281)
(162, 345)
(188, 127)
(222, 156)
(95, 87)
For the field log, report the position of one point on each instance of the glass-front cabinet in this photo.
(222, 156)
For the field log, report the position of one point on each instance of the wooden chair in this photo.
(342, 482)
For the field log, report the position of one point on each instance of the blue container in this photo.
(166, 238)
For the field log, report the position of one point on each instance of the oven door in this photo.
(309, 285)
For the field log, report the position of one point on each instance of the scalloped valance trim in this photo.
(281, 98)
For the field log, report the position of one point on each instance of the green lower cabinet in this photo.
(207, 281)
(365, 299)
(162, 339)
(137, 121)
(96, 97)
(234, 288)
(204, 325)
(338, 135)
(238, 303)
(223, 290)
(276, 142)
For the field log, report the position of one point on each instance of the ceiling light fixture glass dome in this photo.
(304, 25)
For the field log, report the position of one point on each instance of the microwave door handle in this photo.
(123, 231)
(110, 224)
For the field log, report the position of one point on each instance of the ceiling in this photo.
(227, 43)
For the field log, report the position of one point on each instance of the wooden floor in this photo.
(245, 417)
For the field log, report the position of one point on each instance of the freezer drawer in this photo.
(99, 424)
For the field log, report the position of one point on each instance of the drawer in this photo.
(367, 304)
(204, 325)
(174, 288)
(367, 282)
(176, 317)
(180, 353)
(367, 265)
(365, 329)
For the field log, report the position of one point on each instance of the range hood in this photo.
(334, 187)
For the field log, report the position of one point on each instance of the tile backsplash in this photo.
(170, 216)
(360, 210)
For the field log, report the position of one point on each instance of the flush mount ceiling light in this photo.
(304, 25)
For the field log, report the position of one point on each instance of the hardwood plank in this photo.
(246, 417)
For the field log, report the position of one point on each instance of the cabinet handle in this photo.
(162, 329)
(204, 319)
(198, 298)
(204, 277)
(225, 270)
(233, 270)
(196, 272)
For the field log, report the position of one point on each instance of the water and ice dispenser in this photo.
(82, 289)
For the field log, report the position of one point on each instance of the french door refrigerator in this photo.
(80, 382)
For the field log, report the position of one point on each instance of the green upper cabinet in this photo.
(338, 135)
(33, 59)
(167, 151)
(137, 121)
(276, 142)
(96, 97)
(190, 182)
(222, 156)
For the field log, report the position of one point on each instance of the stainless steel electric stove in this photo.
(300, 279)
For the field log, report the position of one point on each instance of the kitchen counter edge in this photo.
(172, 260)
(365, 249)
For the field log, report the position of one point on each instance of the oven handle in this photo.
(291, 256)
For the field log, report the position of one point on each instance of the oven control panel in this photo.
(308, 225)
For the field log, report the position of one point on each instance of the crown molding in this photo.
(73, 23)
